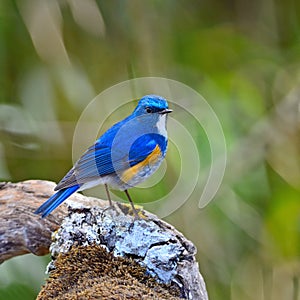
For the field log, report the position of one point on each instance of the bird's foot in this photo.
(136, 211)
(110, 207)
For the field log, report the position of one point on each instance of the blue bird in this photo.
(124, 156)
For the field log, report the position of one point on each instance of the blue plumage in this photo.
(55, 200)
(124, 148)
(144, 145)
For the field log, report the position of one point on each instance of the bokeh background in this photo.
(242, 56)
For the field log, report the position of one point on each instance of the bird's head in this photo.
(152, 105)
(151, 112)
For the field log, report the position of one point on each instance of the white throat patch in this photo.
(161, 125)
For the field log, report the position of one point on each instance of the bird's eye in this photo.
(148, 110)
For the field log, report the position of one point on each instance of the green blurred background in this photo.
(242, 56)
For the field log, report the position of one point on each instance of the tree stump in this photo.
(98, 252)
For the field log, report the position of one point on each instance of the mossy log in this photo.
(98, 252)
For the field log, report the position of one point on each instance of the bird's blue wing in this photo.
(144, 146)
(94, 163)
(98, 160)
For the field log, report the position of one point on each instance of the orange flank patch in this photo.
(150, 160)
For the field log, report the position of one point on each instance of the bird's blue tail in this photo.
(54, 201)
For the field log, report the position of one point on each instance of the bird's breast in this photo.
(139, 172)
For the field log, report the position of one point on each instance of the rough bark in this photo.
(98, 252)
(21, 231)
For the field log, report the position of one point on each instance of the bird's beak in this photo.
(165, 111)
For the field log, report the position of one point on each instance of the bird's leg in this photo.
(108, 195)
(132, 205)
